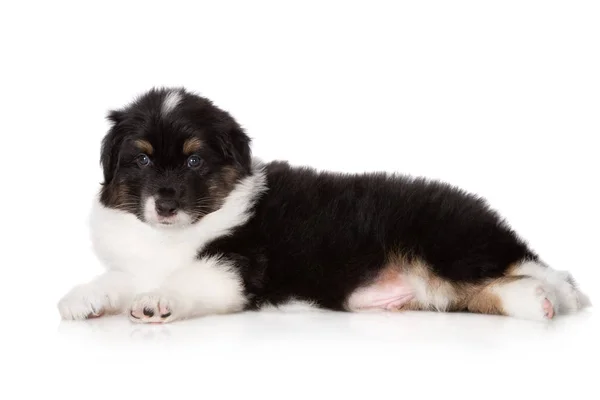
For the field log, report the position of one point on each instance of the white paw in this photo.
(569, 299)
(85, 301)
(153, 307)
(528, 298)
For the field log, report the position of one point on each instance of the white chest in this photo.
(149, 255)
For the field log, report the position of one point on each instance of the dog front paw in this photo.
(85, 301)
(154, 308)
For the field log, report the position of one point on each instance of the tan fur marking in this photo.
(117, 195)
(485, 301)
(219, 187)
(230, 175)
(473, 297)
(482, 299)
(144, 146)
(191, 146)
(432, 292)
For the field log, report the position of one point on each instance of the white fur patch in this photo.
(165, 258)
(171, 101)
(569, 297)
(524, 298)
(208, 286)
(107, 293)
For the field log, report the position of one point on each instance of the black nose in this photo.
(166, 207)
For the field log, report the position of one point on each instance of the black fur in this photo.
(318, 236)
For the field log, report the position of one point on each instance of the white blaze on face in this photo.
(179, 219)
(171, 101)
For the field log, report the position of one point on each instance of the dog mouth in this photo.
(174, 220)
(170, 220)
(159, 218)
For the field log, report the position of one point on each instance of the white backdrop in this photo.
(500, 98)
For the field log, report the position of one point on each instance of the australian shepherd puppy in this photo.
(188, 224)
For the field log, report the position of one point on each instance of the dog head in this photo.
(171, 157)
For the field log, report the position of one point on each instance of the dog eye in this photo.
(193, 161)
(143, 160)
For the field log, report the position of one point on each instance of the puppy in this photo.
(188, 224)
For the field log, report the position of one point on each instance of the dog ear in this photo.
(109, 154)
(235, 145)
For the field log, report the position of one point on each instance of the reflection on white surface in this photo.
(409, 328)
(306, 355)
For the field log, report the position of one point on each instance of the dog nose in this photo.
(166, 207)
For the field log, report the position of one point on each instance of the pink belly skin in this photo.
(389, 292)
